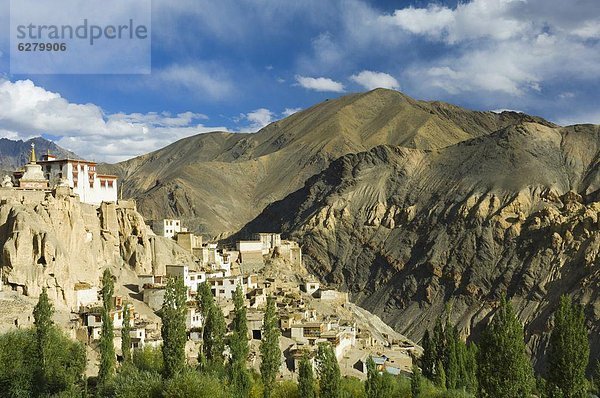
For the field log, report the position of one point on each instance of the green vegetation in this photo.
(504, 370)
(270, 353)
(173, 327)
(41, 361)
(306, 379)
(329, 371)
(568, 352)
(107, 349)
(125, 334)
(238, 373)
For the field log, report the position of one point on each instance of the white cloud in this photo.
(320, 84)
(290, 111)
(201, 80)
(256, 119)
(472, 20)
(27, 110)
(371, 80)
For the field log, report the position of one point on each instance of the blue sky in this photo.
(239, 64)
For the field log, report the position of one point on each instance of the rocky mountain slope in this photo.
(408, 230)
(57, 242)
(14, 154)
(217, 182)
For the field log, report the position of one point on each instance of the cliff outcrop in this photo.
(53, 240)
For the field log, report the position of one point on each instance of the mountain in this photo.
(407, 231)
(218, 182)
(14, 154)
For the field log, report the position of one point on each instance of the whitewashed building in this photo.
(166, 227)
(81, 175)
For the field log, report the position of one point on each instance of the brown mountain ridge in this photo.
(218, 182)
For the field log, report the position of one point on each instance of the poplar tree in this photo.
(415, 382)
(452, 360)
(269, 348)
(42, 315)
(204, 302)
(440, 375)
(568, 352)
(239, 376)
(372, 383)
(125, 334)
(504, 371)
(213, 338)
(429, 358)
(329, 371)
(107, 349)
(306, 379)
(173, 330)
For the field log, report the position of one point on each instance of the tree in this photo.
(329, 371)
(429, 358)
(452, 357)
(239, 376)
(596, 375)
(440, 375)
(107, 349)
(213, 334)
(306, 380)
(415, 382)
(125, 334)
(173, 330)
(269, 348)
(568, 351)
(42, 315)
(377, 385)
(504, 370)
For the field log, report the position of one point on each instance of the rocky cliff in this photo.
(52, 240)
(407, 231)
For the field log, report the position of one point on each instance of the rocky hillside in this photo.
(407, 230)
(217, 182)
(58, 242)
(14, 154)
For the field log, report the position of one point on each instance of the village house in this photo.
(166, 227)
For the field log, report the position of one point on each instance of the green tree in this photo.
(107, 349)
(470, 368)
(173, 330)
(504, 370)
(239, 375)
(440, 375)
(452, 357)
(306, 379)
(596, 375)
(329, 371)
(429, 358)
(213, 338)
(269, 348)
(126, 334)
(377, 385)
(42, 315)
(568, 351)
(416, 382)
(439, 341)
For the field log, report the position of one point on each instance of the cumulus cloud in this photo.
(476, 19)
(320, 84)
(256, 120)
(371, 80)
(27, 110)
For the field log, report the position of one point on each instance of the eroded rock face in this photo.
(56, 241)
(408, 231)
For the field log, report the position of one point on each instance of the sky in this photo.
(237, 65)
